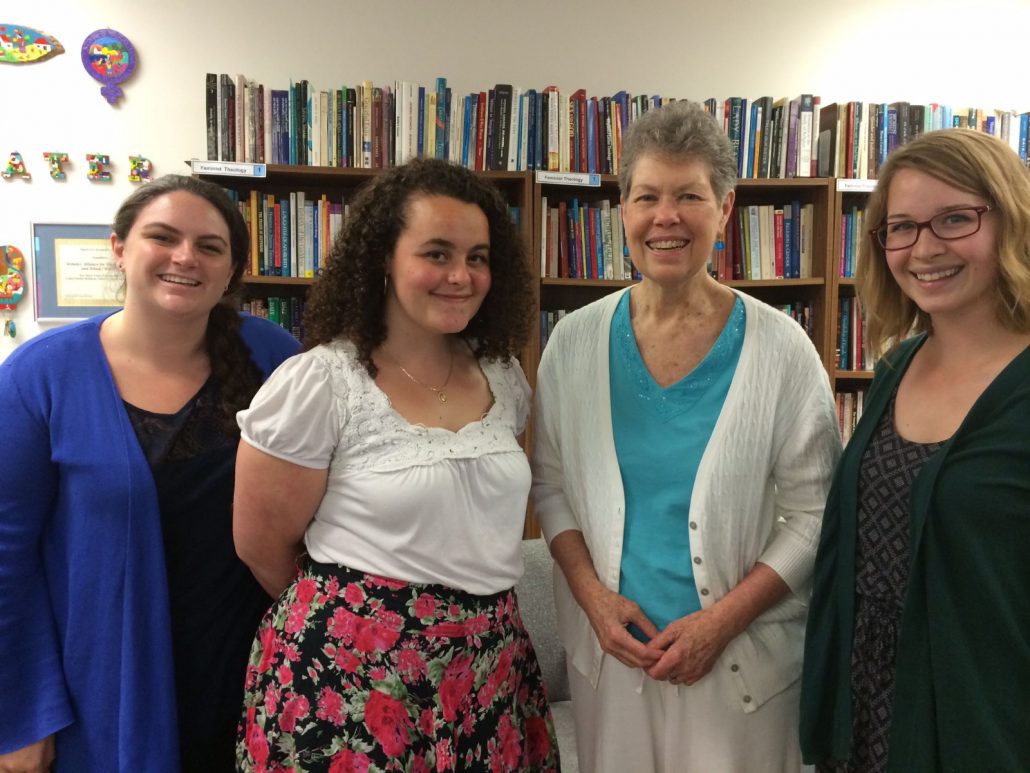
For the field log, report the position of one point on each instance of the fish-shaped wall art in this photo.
(23, 45)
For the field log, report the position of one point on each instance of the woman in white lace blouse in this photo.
(388, 453)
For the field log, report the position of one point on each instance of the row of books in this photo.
(510, 128)
(285, 311)
(852, 228)
(583, 240)
(290, 235)
(802, 312)
(370, 126)
(849, 411)
(766, 241)
(852, 343)
(772, 137)
(855, 138)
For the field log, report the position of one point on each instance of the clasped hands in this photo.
(681, 654)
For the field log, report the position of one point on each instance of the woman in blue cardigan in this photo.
(917, 656)
(125, 615)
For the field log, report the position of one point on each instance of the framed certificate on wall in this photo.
(75, 273)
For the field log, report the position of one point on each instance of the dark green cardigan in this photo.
(962, 690)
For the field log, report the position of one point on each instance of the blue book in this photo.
(533, 141)
(466, 128)
(795, 224)
(421, 120)
(441, 118)
(284, 235)
(447, 122)
(1024, 133)
(591, 108)
(598, 243)
(752, 129)
(292, 127)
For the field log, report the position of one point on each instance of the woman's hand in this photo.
(608, 612)
(609, 615)
(690, 646)
(36, 758)
(693, 643)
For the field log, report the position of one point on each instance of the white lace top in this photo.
(421, 504)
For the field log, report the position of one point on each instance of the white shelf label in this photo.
(229, 168)
(847, 185)
(569, 178)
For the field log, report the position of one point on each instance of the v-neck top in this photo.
(660, 436)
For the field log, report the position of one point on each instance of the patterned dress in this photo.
(355, 672)
(889, 466)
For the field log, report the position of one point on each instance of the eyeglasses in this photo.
(953, 224)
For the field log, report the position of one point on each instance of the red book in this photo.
(778, 235)
(581, 116)
(563, 240)
(277, 239)
(480, 130)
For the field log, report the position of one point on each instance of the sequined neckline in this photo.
(677, 396)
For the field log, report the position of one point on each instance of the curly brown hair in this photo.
(348, 300)
(237, 375)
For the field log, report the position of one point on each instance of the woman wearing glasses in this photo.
(917, 654)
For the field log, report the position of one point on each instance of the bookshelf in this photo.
(852, 378)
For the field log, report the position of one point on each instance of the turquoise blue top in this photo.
(660, 436)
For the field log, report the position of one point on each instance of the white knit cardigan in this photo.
(758, 496)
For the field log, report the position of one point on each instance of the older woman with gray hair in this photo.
(684, 441)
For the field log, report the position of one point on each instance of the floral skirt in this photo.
(355, 672)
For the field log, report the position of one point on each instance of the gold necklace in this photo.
(441, 395)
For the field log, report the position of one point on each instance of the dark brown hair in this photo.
(236, 374)
(348, 300)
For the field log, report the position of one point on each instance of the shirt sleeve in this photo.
(34, 700)
(523, 395)
(296, 415)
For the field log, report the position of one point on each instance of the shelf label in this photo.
(848, 185)
(569, 178)
(229, 168)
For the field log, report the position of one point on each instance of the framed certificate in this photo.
(75, 273)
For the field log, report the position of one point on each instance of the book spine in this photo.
(211, 114)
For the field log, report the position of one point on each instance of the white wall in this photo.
(921, 51)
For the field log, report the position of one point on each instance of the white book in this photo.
(805, 116)
(807, 213)
(606, 239)
(863, 145)
(266, 128)
(299, 229)
(524, 135)
(767, 233)
(563, 135)
(553, 132)
(514, 122)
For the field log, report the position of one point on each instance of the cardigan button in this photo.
(734, 668)
(747, 699)
(697, 560)
(704, 591)
(693, 525)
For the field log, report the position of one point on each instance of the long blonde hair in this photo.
(970, 161)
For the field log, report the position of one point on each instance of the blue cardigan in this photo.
(85, 643)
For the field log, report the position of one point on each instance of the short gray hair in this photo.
(680, 130)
